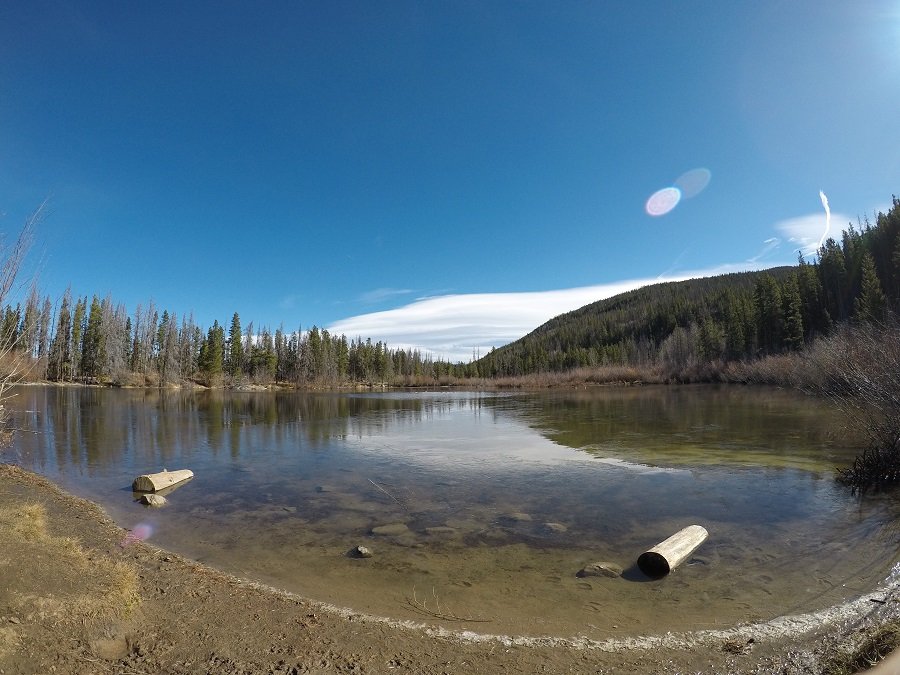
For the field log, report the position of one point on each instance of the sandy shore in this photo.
(80, 595)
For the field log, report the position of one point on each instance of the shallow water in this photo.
(503, 498)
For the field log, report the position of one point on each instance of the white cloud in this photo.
(805, 232)
(453, 326)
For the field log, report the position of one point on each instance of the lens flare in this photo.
(663, 201)
(693, 182)
(140, 532)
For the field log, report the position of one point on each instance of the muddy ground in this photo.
(80, 595)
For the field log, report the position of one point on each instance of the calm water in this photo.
(504, 498)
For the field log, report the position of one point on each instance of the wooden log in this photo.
(669, 554)
(153, 482)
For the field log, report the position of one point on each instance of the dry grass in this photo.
(874, 647)
(114, 586)
(28, 522)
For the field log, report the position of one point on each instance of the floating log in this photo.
(667, 555)
(153, 482)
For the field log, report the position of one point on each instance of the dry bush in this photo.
(858, 369)
(779, 370)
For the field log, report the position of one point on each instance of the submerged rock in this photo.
(390, 530)
(554, 528)
(153, 500)
(360, 552)
(600, 569)
(516, 517)
(440, 530)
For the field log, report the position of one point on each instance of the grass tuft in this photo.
(873, 649)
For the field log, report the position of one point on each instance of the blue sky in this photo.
(446, 175)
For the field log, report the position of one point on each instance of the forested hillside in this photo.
(678, 325)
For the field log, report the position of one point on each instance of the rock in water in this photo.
(360, 552)
(600, 569)
(153, 500)
(391, 530)
(440, 530)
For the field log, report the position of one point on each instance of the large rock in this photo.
(600, 569)
(153, 500)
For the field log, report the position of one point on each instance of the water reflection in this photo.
(486, 495)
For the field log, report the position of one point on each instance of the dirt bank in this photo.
(80, 595)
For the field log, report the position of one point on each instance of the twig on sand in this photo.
(421, 606)
(399, 503)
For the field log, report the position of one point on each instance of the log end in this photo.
(653, 564)
(143, 484)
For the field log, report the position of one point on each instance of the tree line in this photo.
(98, 341)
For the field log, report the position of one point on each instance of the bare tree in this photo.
(11, 259)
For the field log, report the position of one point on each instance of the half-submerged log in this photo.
(153, 482)
(667, 555)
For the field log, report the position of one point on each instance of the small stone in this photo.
(153, 500)
(600, 569)
(14, 619)
(361, 552)
(517, 517)
(555, 528)
(390, 530)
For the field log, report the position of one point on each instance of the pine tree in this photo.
(769, 314)
(793, 314)
(60, 345)
(871, 303)
(816, 320)
(78, 327)
(832, 271)
(235, 348)
(92, 356)
(212, 353)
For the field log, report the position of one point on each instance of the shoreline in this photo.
(187, 612)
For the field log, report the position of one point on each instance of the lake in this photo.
(496, 500)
